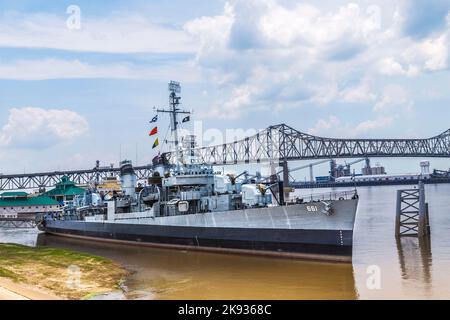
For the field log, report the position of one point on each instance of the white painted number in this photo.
(312, 208)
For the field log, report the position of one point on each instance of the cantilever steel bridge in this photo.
(49, 179)
(279, 143)
(283, 143)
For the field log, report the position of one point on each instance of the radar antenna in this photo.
(174, 111)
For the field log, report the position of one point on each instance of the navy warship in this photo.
(185, 204)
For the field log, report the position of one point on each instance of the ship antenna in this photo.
(354, 182)
(174, 111)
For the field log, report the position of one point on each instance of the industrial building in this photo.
(373, 171)
(344, 170)
(382, 178)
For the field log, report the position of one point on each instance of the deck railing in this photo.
(333, 195)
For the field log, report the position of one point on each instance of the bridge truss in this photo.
(283, 143)
(49, 179)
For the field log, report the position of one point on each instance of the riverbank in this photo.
(10, 290)
(45, 273)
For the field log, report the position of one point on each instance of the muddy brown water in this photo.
(407, 269)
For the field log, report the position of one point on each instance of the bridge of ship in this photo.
(280, 143)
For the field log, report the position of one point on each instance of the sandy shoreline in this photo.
(10, 290)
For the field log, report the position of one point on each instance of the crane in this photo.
(310, 166)
(337, 171)
(347, 165)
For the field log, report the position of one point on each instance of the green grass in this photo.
(5, 273)
(47, 268)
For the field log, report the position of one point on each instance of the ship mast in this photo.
(174, 111)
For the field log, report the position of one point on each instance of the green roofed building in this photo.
(65, 190)
(21, 204)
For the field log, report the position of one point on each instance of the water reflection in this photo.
(175, 274)
(26, 237)
(416, 261)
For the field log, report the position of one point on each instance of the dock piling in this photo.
(412, 216)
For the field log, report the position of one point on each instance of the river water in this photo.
(382, 268)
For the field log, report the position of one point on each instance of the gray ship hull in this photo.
(302, 230)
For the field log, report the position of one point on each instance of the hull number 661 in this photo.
(312, 208)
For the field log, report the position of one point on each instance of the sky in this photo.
(79, 80)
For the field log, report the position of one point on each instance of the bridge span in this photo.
(283, 143)
(279, 143)
(26, 181)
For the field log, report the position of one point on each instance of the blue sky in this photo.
(333, 68)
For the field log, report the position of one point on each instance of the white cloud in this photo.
(358, 93)
(369, 125)
(40, 128)
(211, 32)
(389, 66)
(74, 69)
(285, 56)
(324, 94)
(414, 57)
(334, 127)
(113, 34)
(436, 52)
(240, 98)
(301, 54)
(259, 54)
(307, 24)
(394, 96)
(325, 126)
